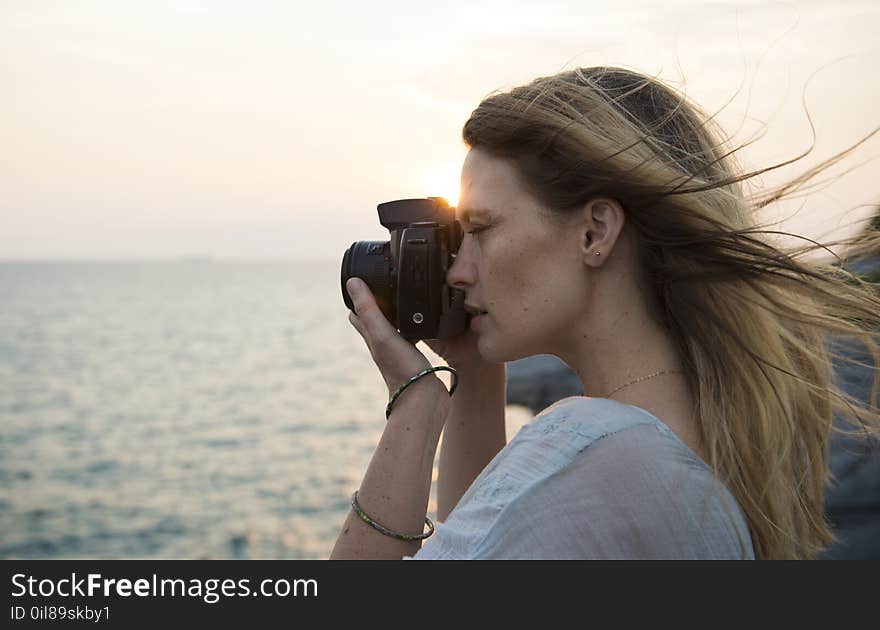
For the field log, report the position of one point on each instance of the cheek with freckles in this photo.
(510, 279)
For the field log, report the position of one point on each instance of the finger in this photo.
(356, 322)
(368, 312)
(360, 294)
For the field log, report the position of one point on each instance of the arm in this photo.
(474, 432)
(397, 484)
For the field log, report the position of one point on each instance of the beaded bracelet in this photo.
(415, 378)
(384, 529)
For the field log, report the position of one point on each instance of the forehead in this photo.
(488, 186)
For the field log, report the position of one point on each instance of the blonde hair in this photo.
(751, 320)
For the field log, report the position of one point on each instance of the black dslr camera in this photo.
(407, 274)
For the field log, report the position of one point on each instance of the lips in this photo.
(474, 310)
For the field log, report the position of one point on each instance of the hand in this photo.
(459, 352)
(397, 359)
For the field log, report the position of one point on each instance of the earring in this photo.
(597, 253)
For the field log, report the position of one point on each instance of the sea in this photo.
(193, 409)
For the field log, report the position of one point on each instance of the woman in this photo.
(605, 224)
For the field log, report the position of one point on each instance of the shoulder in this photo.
(588, 418)
(617, 436)
(633, 491)
(550, 443)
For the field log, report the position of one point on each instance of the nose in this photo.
(462, 273)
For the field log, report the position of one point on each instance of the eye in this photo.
(476, 229)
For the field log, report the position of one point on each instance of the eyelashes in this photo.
(477, 230)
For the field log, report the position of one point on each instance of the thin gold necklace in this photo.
(644, 378)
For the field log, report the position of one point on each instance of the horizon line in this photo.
(164, 260)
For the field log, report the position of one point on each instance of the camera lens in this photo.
(371, 262)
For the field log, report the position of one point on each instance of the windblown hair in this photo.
(753, 321)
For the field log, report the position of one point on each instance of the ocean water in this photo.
(182, 410)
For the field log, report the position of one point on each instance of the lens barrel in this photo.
(371, 262)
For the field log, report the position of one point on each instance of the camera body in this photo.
(407, 274)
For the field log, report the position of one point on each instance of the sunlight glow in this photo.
(444, 182)
(139, 130)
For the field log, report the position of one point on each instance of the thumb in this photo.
(369, 320)
(358, 324)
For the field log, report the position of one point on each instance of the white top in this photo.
(593, 478)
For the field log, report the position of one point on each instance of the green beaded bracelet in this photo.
(415, 378)
(366, 519)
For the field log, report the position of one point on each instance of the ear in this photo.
(601, 224)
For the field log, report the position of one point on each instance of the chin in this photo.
(494, 353)
(488, 352)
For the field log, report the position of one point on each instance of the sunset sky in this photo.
(271, 130)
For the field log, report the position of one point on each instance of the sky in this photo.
(258, 130)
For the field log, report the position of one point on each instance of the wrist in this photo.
(481, 374)
(475, 364)
(426, 394)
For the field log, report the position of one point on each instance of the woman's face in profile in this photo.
(524, 269)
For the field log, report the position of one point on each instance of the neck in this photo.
(631, 345)
(634, 345)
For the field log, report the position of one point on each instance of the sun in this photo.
(444, 182)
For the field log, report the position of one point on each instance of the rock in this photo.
(865, 267)
(852, 503)
(539, 381)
